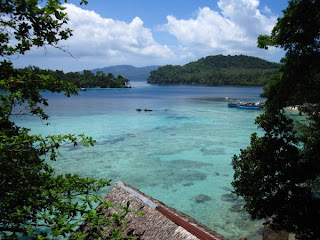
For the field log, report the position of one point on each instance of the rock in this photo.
(292, 236)
(260, 231)
(270, 234)
(201, 198)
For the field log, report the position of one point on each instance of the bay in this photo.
(179, 153)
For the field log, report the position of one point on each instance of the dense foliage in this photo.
(279, 173)
(34, 201)
(217, 70)
(86, 78)
(133, 73)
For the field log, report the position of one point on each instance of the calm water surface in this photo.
(180, 153)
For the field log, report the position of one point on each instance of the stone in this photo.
(270, 234)
(292, 236)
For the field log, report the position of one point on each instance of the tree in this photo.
(34, 201)
(217, 70)
(284, 163)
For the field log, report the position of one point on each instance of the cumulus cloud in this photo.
(99, 42)
(233, 30)
(267, 10)
(97, 36)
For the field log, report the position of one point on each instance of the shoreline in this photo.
(292, 109)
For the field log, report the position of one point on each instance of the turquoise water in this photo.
(179, 153)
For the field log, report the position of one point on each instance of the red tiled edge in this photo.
(187, 226)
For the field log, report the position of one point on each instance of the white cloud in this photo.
(99, 42)
(267, 10)
(246, 15)
(233, 31)
(97, 36)
(208, 30)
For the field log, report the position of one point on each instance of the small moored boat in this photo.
(249, 106)
(233, 105)
(83, 89)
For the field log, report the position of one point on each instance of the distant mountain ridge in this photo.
(218, 70)
(128, 71)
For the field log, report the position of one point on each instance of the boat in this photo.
(249, 106)
(83, 89)
(233, 105)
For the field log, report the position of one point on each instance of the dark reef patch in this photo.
(196, 176)
(181, 163)
(188, 184)
(237, 207)
(215, 151)
(228, 189)
(175, 117)
(117, 140)
(202, 198)
(229, 197)
(72, 148)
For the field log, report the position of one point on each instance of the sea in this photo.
(178, 152)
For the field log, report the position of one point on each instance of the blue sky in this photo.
(147, 32)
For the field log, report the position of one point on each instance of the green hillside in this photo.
(217, 70)
(128, 71)
(85, 79)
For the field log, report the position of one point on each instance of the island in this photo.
(217, 70)
(84, 79)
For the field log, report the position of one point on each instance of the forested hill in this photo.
(128, 71)
(85, 79)
(217, 70)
